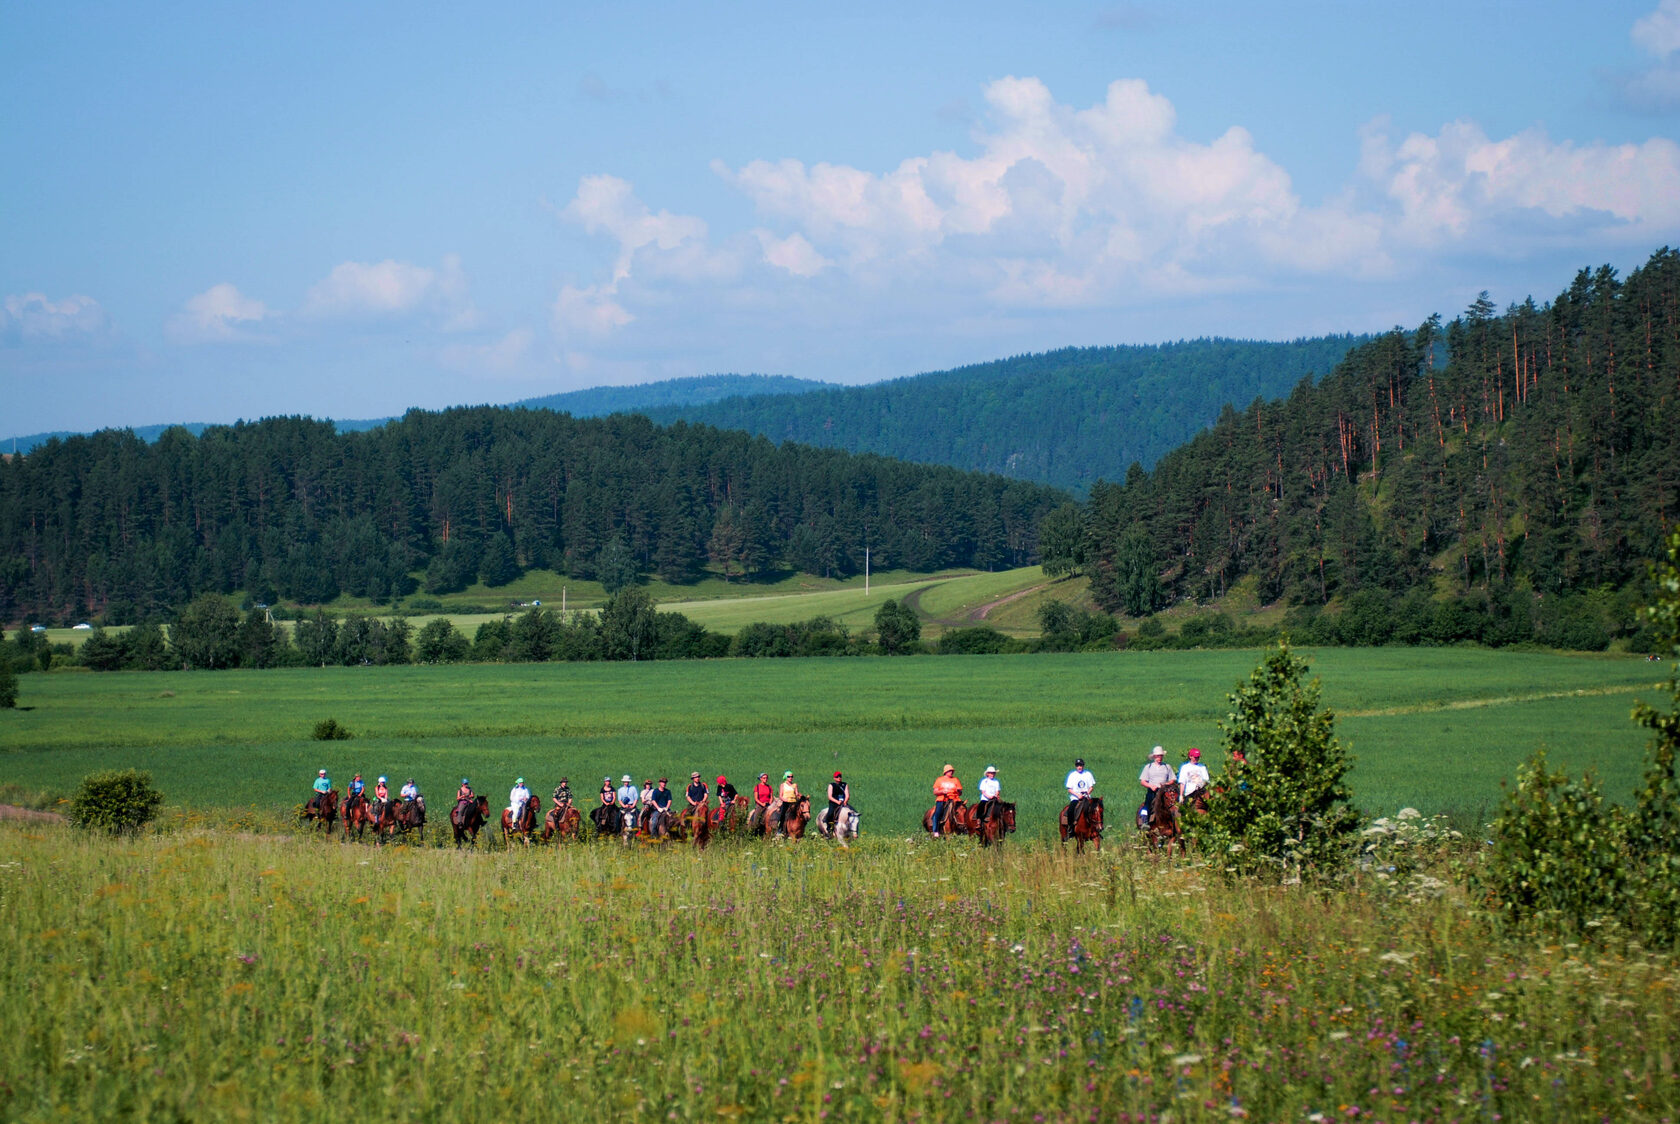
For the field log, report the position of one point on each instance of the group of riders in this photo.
(651, 806)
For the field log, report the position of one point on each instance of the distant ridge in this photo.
(591, 403)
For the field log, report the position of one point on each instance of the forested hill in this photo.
(287, 507)
(1065, 418)
(1542, 458)
(590, 403)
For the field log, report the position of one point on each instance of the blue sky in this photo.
(218, 211)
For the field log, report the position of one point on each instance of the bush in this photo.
(328, 730)
(117, 801)
(8, 684)
(981, 640)
(1291, 814)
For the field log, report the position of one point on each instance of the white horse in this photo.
(627, 828)
(846, 828)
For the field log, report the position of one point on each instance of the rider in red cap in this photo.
(839, 795)
(725, 795)
(1193, 780)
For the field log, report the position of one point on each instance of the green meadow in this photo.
(1435, 729)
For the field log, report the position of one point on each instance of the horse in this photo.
(358, 814)
(322, 809)
(1164, 828)
(845, 826)
(607, 820)
(524, 826)
(564, 822)
(757, 817)
(1088, 828)
(995, 826)
(629, 819)
(469, 823)
(731, 815)
(410, 815)
(700, 825)
(794, 824)
(956, 819)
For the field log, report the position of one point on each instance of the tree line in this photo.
(107, 525)
(1513, 467)
(1066, 418)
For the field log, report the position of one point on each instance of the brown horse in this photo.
(471, 821)
(524, 827)
(793, 820)
(995, 826)
(410, 815)
(565, 822)
(731, 816)
(1088, 828)
(324, 811)
(757, 816)
(699, 823)
(1164, 828)
(358, 814)
(957, 819)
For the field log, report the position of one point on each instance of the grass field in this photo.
(1437, 729)
(210, 976)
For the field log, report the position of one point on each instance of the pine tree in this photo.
(1286, 812)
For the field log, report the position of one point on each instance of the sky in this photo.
(221, 211)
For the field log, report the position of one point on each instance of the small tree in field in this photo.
(117, 801)
(897, 628)
(1654, 831)
(1287, 810)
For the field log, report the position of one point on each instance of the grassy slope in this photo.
(1434, 728)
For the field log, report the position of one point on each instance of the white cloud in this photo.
(390, 289)
(219, 314)
(588, 311)
(34, 318)
(1460, 186)
(1659, 33)
(792, 253)
(497, 357)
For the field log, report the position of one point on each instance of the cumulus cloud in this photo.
(33, 318)
(219, 314)
(392, 289)
(1659, 32)
(1656, 87)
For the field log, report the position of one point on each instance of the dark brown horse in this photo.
(524, 827)
(731, 817)
(757, 817)
(468, 822)
(999, 822)
(957, 819)
(358, 815)
(1088, 828)
(564, 822)
(323, 811)
(409, 815)
(1164, 828)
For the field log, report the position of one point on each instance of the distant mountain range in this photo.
(1066, 418)
(592, 403)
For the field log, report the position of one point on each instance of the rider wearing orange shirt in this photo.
(947, 790)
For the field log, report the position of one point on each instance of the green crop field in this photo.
(1437, 729)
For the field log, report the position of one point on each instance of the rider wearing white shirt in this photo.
(1192, 775)
(1079, 785)
(517, 798)
(989, 789)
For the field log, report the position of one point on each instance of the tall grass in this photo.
(217, 976)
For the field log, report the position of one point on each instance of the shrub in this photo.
(897, 628)
(1291, 813)
(328, 730)
(8, 685)
(117, 801)
(980, 640)
(1557, 853)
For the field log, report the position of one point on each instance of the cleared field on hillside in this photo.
(1437, 729)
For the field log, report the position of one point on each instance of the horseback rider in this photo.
(381, 799)
(947, 790)
(726, 796)
(410, 792)
(1193, 778)
(1079, 784)
(696, 793)
(609, 794)
(839, 795)
(627, 797)
(563, 794)
(464, 798)
(661, 802)
(321, 787)
(517, 799)
(1154, 777)
(989, 789)
(356, 787)
(786, 797)
(762, 792)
